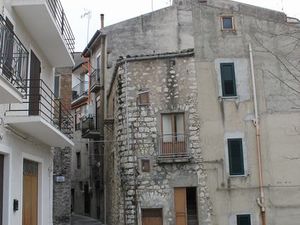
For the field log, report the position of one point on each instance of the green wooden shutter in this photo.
(243, 219)
(236, 158)
(228, 79)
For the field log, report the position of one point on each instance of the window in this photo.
(173, 141)
(143, 98)
(235, 156)
(80, 185)
(227, 23)
(98, 63)
(228, 79)
(145, 165)
(77, 118)
(78, 160)
(57, 86)
(243, 219)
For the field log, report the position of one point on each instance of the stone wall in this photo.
(172, 89)
(62, 161)
(62, 190)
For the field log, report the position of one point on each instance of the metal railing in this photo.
(95, 78)
(80, 90)
(62, 23)
(173, 145)
(89, 123)
(13, 57)
(41, 101)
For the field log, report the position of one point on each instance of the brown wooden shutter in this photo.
(180, 206)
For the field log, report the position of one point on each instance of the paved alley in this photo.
(83, 220)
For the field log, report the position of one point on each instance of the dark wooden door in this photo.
(34, 92)
(152, 217)
(1, 187)
(30, 193)
(8, 49)
(87, 202)
(180, 206)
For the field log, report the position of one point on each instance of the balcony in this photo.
(47, 24)
(89, 128)
(13, 66)
(95, 81)
(173, 148)
(41, 116)
(80, 93)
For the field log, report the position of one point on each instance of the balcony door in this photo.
(8, 49)
(34, 92)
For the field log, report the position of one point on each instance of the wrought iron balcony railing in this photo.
(41, 101)
(80, 90)
(173, 145)
(89, 128)
(95, 80)
(61, 21)
(13, 58)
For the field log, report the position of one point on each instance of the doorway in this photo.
(34, 91)
(30, 192)
(87, 201)
(185, 200)
(152, 217)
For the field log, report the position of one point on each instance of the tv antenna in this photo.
(152, 5)
(282, 6)
(88, 15)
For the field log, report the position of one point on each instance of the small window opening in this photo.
(227, 23)
(145, 165)
(143, 98)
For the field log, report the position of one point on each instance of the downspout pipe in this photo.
(261, 198)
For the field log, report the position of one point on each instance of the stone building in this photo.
(201, 115)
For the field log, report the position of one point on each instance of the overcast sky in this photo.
(119, 10)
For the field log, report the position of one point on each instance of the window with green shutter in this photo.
(235, 156)
(228, 79)
(244, 219)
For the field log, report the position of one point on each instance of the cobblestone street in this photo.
(83, 220)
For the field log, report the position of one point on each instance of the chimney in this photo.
(102, 20)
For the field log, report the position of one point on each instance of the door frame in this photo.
(6, 151)
(40, 162)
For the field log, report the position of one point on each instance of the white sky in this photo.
(119, 10)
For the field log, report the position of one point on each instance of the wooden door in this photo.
(87, 200)
(180, 206)
(152, 217)
(30, 193)
(34, 92)
(1, 187)
(8, 48)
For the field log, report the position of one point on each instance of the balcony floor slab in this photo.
(40, 129)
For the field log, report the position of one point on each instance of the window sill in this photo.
(221, 98)
(239, 176)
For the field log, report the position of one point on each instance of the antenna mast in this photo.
(88, 14)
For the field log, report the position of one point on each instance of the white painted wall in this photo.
(16, 149)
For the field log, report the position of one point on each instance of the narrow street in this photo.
(83, 220)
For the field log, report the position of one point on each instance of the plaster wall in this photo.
(224, 117)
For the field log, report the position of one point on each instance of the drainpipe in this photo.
(261, 198)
